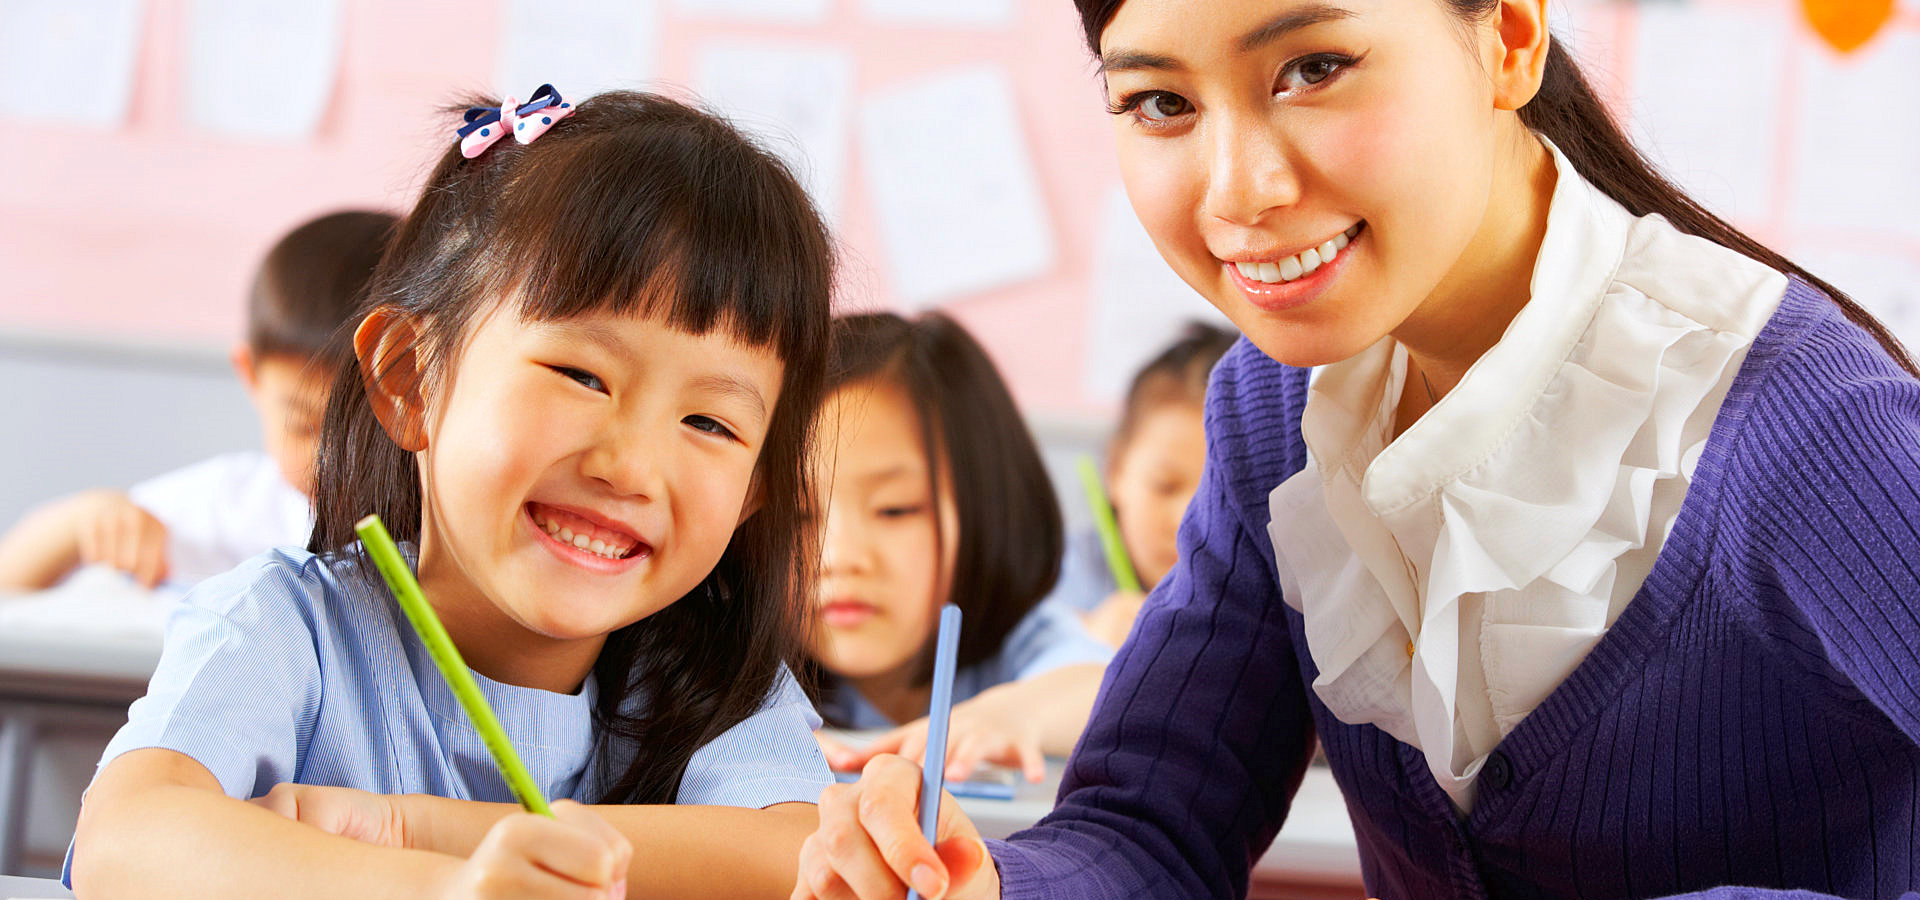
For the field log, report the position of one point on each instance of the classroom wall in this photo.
(145, 231)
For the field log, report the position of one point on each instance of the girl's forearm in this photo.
(678, 851)
(179, 841)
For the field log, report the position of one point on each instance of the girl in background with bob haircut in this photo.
(1587, 554)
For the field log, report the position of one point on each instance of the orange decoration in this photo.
(1847, 24)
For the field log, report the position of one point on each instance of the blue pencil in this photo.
(933, 777)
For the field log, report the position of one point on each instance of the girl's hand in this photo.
(993, 727)
(366, 817)
(110, 529)
(869, 844)
(840, 757)
(1111, 621)
(575, 855)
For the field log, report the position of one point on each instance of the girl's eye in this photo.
(708, 425)
(1152, 107)
(901, 512)
(583, 377)
(1312, 70)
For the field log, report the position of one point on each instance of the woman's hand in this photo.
(574, 855)
(998, 726)
(365, 817)
(869, 844)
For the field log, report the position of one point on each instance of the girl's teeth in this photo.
(566, 535)
(599, 547)
(585, 541)
(580, 540)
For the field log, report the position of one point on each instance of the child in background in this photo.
(936, 492)
(191, 523)
(1153, 468)
(582, 403)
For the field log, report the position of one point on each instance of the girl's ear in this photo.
(1524, 42)
(756, 497)
(386, 345)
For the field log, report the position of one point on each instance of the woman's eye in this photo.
(583, 377)
(1312, 70)
(1154, 107)
(708, 425)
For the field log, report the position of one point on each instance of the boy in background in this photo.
(208, 517)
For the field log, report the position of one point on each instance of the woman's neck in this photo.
(1471, 308)
(896, 693)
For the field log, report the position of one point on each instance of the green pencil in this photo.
(386, 558)
(1115, 550)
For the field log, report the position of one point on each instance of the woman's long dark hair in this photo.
(1007, 552)
(636, 205)
(1567, 112)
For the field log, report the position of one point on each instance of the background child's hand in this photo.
(840, 757)
(1113, 618)
(109, 529)
(363, 816)
(575, 855)
(994, 727)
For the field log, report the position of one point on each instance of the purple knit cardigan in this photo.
(1752, 719)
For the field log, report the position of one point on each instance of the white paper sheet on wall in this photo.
(797, 99)
(581, 47)
(261, 68)
(959, 207)
(1858, 138)
(785, 12)
(1139, 304)
(967, 13)
(1707, 101)
(69, 60)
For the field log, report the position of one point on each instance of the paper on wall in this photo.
(261, 68)
(796, 99)
(966, 13)
(581, 47)
(1707, 101)
(1139, 304)
(784, 12)
(1858, 138)
(959, 207)
(69, 60)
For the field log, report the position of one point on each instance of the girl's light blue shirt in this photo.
(298, 668)
(1048, 638)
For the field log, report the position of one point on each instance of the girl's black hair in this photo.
(636, 205)
(1007, 554)
(1569, 113)
(1177, 375)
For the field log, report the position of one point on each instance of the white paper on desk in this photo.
(69, 60)
(96, 601)
(1139, 304)
(261, 68)
(967, 13)
(959, 208)
(796, 99)
(1707, 101)
(1858, 138)
(581, 47)
(784, 12)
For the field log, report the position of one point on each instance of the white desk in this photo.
(71, 659)
(12, 887)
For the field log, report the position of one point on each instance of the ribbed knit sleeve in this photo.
(1201, 733)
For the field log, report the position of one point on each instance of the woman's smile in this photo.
(1275, 283)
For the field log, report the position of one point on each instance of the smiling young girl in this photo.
(582, 401)
(1586, 555)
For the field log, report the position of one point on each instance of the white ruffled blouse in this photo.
(1452, 577)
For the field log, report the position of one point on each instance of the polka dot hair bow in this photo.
(527, 121)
